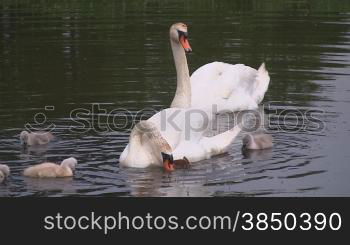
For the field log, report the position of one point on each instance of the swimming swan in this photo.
(52, 170)
(4, 172)
(225, 86)
(174, 134)
(257, 141)
(35, 138)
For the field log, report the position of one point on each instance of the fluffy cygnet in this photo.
(4, 172)
(35, 138)
(257, 141)
(52, 170)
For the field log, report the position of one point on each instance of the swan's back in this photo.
(229, 87)
(36, 138)
(47, 170)
(37, 170)
(227, 74)
(41, 138)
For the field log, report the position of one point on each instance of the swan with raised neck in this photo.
(180, 45)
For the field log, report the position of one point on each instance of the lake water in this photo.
(60, 56)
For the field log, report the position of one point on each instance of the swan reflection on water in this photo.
(52, 185)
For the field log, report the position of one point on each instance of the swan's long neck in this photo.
(135, 144)
(182, 97)
(69, 162)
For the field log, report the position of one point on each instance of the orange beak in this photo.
(168, 162)
(168, 166)
(185, 44)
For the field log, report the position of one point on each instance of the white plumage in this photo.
(180, 130)
(216, 86)
(183, 130)
(228, 87)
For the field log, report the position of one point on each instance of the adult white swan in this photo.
(228, 87)
(173, 134)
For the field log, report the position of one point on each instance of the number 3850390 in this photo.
(291, 221)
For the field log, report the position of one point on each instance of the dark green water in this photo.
(73, 54)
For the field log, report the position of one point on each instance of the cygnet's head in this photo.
(70, 162)
(4, 172)
(246, 140)
(257, 141)
(24, 137)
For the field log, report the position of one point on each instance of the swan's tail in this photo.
(262, 83)
(219, 143)
(31, 171)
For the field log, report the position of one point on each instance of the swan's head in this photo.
(168, 162)
(179, 34)
(247, 140)
(70, 162)
(24, 137)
